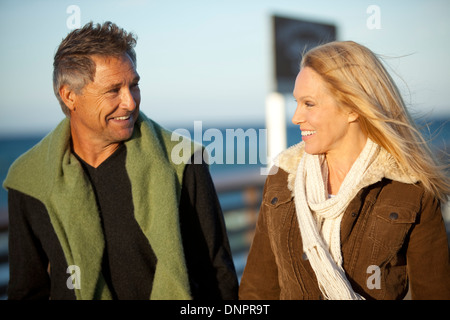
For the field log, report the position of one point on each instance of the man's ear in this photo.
(68, 96)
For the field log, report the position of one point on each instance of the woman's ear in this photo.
(352, 116)
(68, 96)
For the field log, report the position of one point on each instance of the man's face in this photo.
(107, 108)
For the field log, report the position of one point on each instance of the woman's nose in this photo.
(298, 116)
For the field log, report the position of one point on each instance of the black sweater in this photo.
(128, 261)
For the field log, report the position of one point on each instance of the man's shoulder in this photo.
(173, 143)
(27, 173)
(27, 164)
(33, 166)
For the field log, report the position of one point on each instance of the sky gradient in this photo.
(211, 60)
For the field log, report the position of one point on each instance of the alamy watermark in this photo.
(236, 146)
(374, 20)
(74, 280)
(73, 21)
(374, 280)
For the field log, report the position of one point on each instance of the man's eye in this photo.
(113, 91)
(309, 104)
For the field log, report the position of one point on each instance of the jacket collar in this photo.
(384, 166)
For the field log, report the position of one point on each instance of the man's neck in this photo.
(92, 153)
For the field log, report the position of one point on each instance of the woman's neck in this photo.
(339, 164)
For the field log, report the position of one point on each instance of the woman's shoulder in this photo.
(289, 159)
(285, 167)
(414, 198)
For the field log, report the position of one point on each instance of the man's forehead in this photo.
(111, 68)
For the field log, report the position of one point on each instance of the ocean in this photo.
(437, 132)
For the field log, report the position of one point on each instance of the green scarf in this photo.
(51, 173)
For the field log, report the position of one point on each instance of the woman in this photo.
(353, 211)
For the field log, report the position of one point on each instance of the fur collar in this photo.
(384, 166)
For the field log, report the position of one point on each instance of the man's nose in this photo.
(128, 100)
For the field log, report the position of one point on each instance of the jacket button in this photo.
(274, 200)
(354, 214)
(393, 216)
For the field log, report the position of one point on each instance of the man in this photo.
(97, 209)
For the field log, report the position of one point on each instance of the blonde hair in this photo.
(358, 80)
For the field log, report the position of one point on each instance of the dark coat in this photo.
(38, 268)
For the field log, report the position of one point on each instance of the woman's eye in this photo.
(309, 104)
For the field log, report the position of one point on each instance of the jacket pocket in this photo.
(391, 224)
(278, 202)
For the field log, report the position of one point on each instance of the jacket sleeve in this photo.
(28, 264)
(428, 254)
(207, 251)
(260, 278)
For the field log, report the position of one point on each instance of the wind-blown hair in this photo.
(357, 79)
(72, 63)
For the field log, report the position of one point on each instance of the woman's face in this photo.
(324, 125)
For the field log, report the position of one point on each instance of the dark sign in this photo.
(292, 38)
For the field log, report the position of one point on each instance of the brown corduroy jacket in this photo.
(393, 238)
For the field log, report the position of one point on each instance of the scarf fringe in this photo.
(332, 280)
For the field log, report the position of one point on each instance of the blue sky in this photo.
(210, 60)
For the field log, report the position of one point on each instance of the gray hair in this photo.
(72, 63)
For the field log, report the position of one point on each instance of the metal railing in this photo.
(241, 213)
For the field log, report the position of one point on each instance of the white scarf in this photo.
(319, 218)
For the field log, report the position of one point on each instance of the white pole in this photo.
(276, 126)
